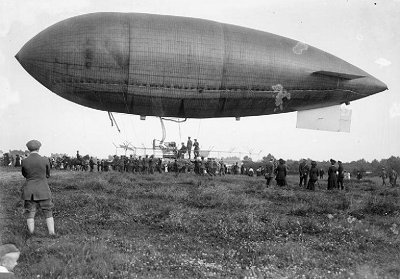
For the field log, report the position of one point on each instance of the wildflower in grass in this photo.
(351, 219)
(394, 229)
(330, 216)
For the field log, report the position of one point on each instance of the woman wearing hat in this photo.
(35, 191)
(314, 172)
(281, 172)
(332, 178)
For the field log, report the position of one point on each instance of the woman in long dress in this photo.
(332, 176)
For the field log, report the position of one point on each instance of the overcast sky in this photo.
(364, 33)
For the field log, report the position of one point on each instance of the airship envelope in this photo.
(171, 66)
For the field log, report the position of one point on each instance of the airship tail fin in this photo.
(334, 118)
(337, 75)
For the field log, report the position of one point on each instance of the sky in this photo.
(361, 32)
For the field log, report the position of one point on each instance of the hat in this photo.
(339, 162)
(332, 161)
(281, 161)
(33, 145)
(7, 248)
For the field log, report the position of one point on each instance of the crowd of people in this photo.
(36, 193)
(187, 159)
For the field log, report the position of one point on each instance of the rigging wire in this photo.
(164, 133)
(112, 119)
(198, 129)
(180, 136)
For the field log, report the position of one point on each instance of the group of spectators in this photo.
(392, 175)
(36, 193)
(310, 174)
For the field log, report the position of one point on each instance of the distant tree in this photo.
(19, 152)
(86, 157)
(58, 155)
(247, 159)
(266, 159)
(375, 167)
(292, 166)
(231, 160)
(393, 162)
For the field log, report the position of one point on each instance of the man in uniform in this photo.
(189, 145)
(91, 164)
(98, 165)
(17, 160)
(321, 173)
(102, 165)
(383, 176)
(269, 171)
(242, 169)
(303, 173)
(359, 175)
(146, 164)
(221, 167)
(392, 177)
(196, 151)
(152, 164)
(182, 151)
(235, 168)
(35, 191)
(340, 175)
(140, 165)
(203, 165)
(130, 164)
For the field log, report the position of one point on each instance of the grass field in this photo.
(114, 225)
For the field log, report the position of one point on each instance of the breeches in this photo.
(31, 207)
(303, 178)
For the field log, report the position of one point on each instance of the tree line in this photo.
(372, 168)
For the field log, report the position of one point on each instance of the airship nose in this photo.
(34, 57)
(366, 86)
(373, 85)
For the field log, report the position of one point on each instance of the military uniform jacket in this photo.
(269, 170)
(36, 170)
(189, 145)
(281, 172)
(303, 169)
(314, 174)
(340, 172)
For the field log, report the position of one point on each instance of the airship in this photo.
(170, 66)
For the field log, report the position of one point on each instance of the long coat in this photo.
(281, 172)
(332, 177)
(36, 170)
